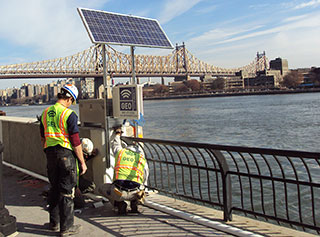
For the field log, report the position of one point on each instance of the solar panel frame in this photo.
(119, 29)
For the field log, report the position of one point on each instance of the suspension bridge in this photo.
(88, 63)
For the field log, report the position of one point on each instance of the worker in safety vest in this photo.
(84, 185)
(130, 176)
(61, 143)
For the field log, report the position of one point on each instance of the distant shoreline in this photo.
(225, 94)
(204, 95)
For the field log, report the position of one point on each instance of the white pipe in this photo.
(200, 220)
(37, 176)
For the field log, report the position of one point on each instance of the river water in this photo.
(290, 121)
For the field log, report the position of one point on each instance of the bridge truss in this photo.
(88, 63)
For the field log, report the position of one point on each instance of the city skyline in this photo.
(226, 34)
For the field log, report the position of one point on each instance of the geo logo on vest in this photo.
(128, 159)
(52, 113)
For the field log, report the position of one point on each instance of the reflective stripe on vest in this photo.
(129, 166)
(54, 120)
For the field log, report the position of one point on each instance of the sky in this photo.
(222, 33)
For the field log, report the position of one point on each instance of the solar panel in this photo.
(112, 28)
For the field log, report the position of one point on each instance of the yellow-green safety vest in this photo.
(129, 166)
(54, 120)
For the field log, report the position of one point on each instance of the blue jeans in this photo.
(126, 184)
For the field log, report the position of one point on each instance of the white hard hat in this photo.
(87, 145)
(71, 90)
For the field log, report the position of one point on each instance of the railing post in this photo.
(7, 222)
(226, 186)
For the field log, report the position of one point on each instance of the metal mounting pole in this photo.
(107, 138)
(7, 222)
(133, 79)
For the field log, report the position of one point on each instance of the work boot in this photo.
(79, 202)
(52, 226)
(73, 230)
(122, 208)
(134, 206)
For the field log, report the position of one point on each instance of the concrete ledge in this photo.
(18, 119)
(22, 147)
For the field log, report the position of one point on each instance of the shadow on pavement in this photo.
(34, 229)
(23, 194)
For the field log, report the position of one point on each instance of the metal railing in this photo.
(280, 186)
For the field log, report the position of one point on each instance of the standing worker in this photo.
(60, 139)
(130, 176)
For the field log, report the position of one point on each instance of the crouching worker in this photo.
(130, 176)
(84, 185)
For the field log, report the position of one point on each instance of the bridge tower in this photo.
(261, 62)
(181, 63)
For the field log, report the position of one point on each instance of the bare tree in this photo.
(292, 80)
(218, 84)
(181, 88)
(194, 85)
(161, 89)
(315, 74)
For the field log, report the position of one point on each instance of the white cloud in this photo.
(296, 39)
(221, 35)
(295, 18)
(298, 24)
(229, 56)
(207, 9)
(52, 28)
(174, 8)
(312, 3)
(259, 6)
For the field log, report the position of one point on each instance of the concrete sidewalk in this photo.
(23, 198)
